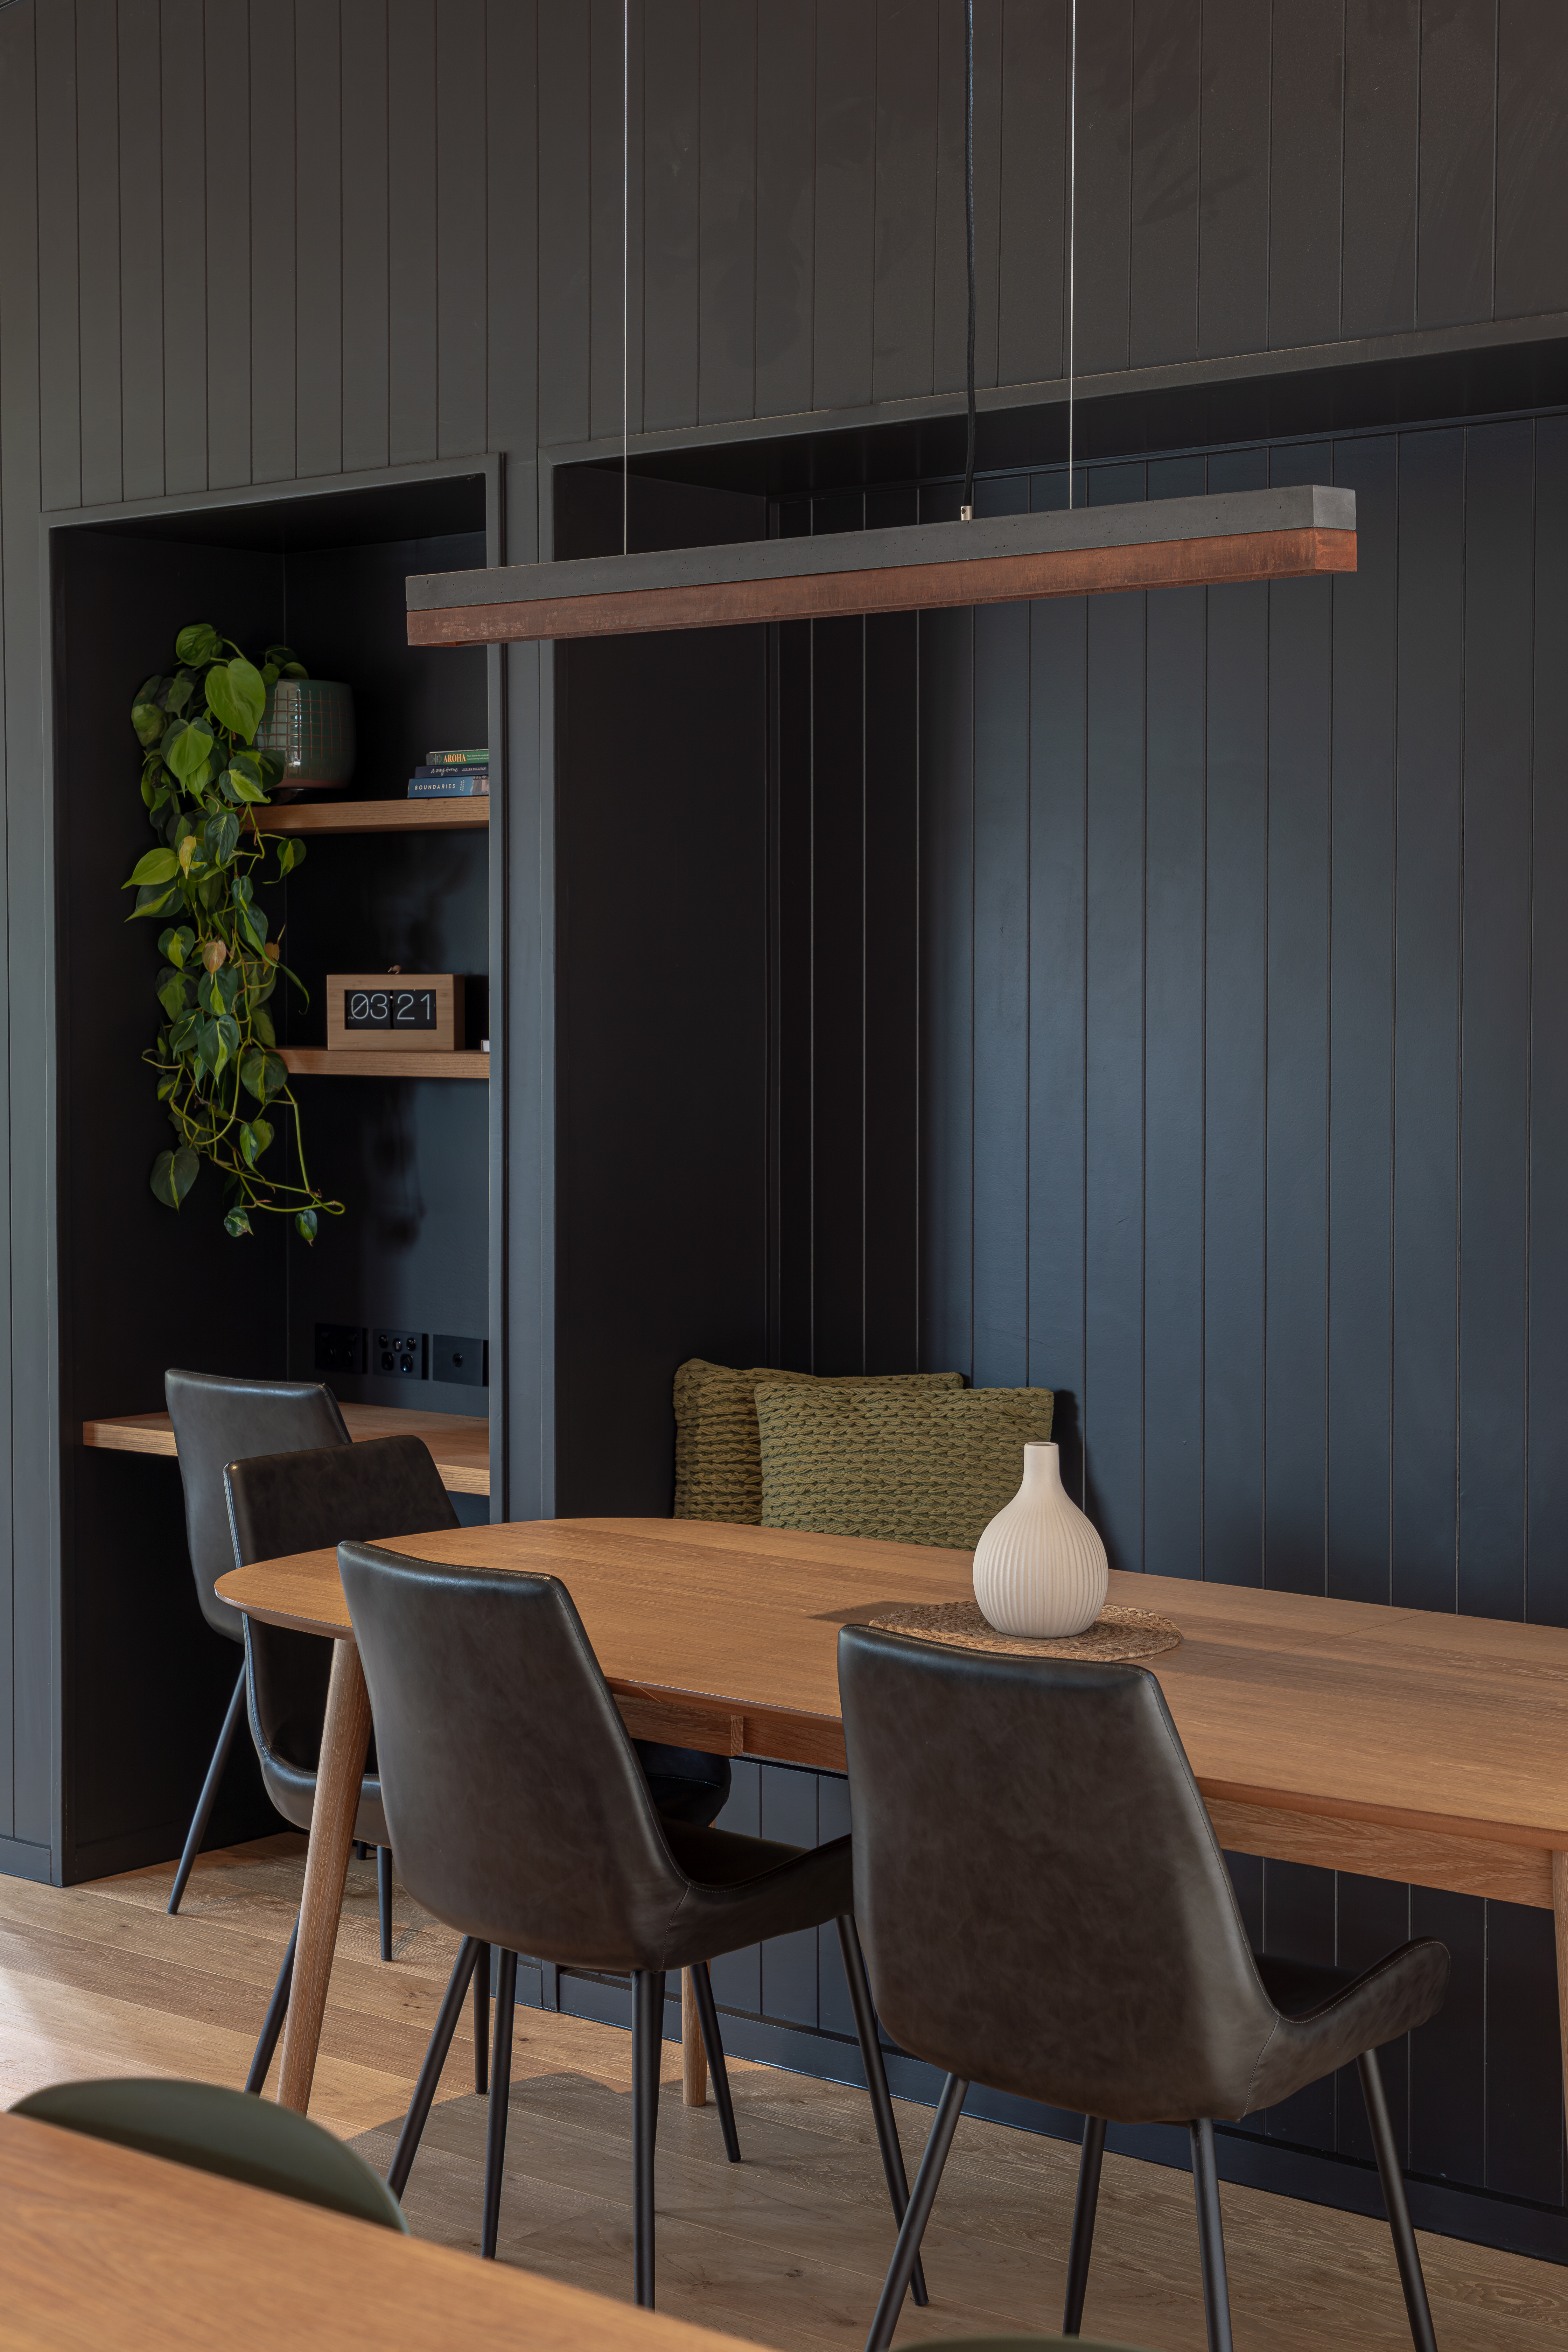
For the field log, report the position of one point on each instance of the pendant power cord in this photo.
(966, 511)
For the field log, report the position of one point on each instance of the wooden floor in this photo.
(786, 2248)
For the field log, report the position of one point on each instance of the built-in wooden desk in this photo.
(106, 2250)
(460, 1443)
(1392, 1742)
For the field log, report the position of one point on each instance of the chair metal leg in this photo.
(1083, 2212)
(482, 2021)
(648, 2040)
(928, 2179)
(500, 2099)
(876, 2083)
(208, 1797)
(272, 2024)
(1211, 2236)
(384, 1897)
(435, 2058)
(1405, 2251)
(714, 2050)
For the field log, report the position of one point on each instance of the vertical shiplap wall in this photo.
(1232, 1102)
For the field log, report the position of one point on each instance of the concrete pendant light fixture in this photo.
(1218, 539)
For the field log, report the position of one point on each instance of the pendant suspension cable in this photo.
(966, 511)
(626, 272)
(1073, 222)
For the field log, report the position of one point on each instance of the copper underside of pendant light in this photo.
(1306, 531)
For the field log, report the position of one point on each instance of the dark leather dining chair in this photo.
(1045, 1910)
(522, 1816)
(284, 1503)
(218, 1421)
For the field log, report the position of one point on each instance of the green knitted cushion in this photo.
(717, 1466)
(906, 1466)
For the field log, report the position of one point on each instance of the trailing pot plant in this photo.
(225, 1087)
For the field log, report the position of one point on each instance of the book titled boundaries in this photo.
(451, 775)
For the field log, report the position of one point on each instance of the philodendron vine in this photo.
(224, 1088)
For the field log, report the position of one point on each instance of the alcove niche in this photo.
(143, 1681)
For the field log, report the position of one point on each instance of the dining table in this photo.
(1403, 1744)
(105, 2246)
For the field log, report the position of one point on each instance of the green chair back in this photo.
(216, 2131)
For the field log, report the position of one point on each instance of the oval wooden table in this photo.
(107, 2247)
(1393, 1742)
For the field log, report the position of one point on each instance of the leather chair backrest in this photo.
(516, 1807)
(284, 1503)
(1043, 1903)
(218, 1420)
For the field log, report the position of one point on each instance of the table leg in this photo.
(345, 1739)
(693, 2057)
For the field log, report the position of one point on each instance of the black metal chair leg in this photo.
(714, 2046)
(1211, 2236)
(482, 2021)
(272, 2024)
(208, 1797)
(876, 2083)
(1083, 2212)
(1406, 2254)
(500, 2099)
(384, 1897)
(923, 2196)
(435, 2058)
(648, 2044)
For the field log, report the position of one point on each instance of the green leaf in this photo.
(236, 696)
(157, 866)
(263, 1131)
(174, 1173)
(148, 722)
(236, 1224)
(171, 992)
(261, 1021)
(305, 1224)
(177, 692)
(239, 786)
(291, 854)
(182, 1035)
(199, 643)
(275, 1073)
(220, 835)
(189, 751)
(214, 1044)
(253, 1073)
(272, 769)
(285, 658)
(166, 1086)
(252, 921)
(153, 899)
(176, 945)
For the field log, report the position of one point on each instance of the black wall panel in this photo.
(1235, 1106)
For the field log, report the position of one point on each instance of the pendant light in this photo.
(1218, 539)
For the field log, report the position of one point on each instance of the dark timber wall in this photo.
(1159, 999)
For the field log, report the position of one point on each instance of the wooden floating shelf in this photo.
(376, 816)
(459, 1442)
(316, 1061)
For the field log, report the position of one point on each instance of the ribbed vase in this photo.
(1040, 1566)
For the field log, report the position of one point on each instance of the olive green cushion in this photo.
(216, 2131)
(908, 1466)
(718, 1463)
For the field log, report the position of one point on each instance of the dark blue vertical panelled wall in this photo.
(1240, 1097)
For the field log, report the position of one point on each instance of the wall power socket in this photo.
(399, 1351)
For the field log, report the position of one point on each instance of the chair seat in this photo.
(745, 1889)
(1328, 2016)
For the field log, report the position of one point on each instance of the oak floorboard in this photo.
(787, 2248)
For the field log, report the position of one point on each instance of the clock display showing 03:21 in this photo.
(389, 1008)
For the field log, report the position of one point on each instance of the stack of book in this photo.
(450, 775)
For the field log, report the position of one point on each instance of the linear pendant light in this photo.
(1222, 538)
(1228, 536)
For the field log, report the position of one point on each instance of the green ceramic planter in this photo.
(309, 724)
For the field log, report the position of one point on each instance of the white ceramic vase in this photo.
(1040, 1568)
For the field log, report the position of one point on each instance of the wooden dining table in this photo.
(1397, 1743)
(105, 2249)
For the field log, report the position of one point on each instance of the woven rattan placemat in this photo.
(1116, 1634)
